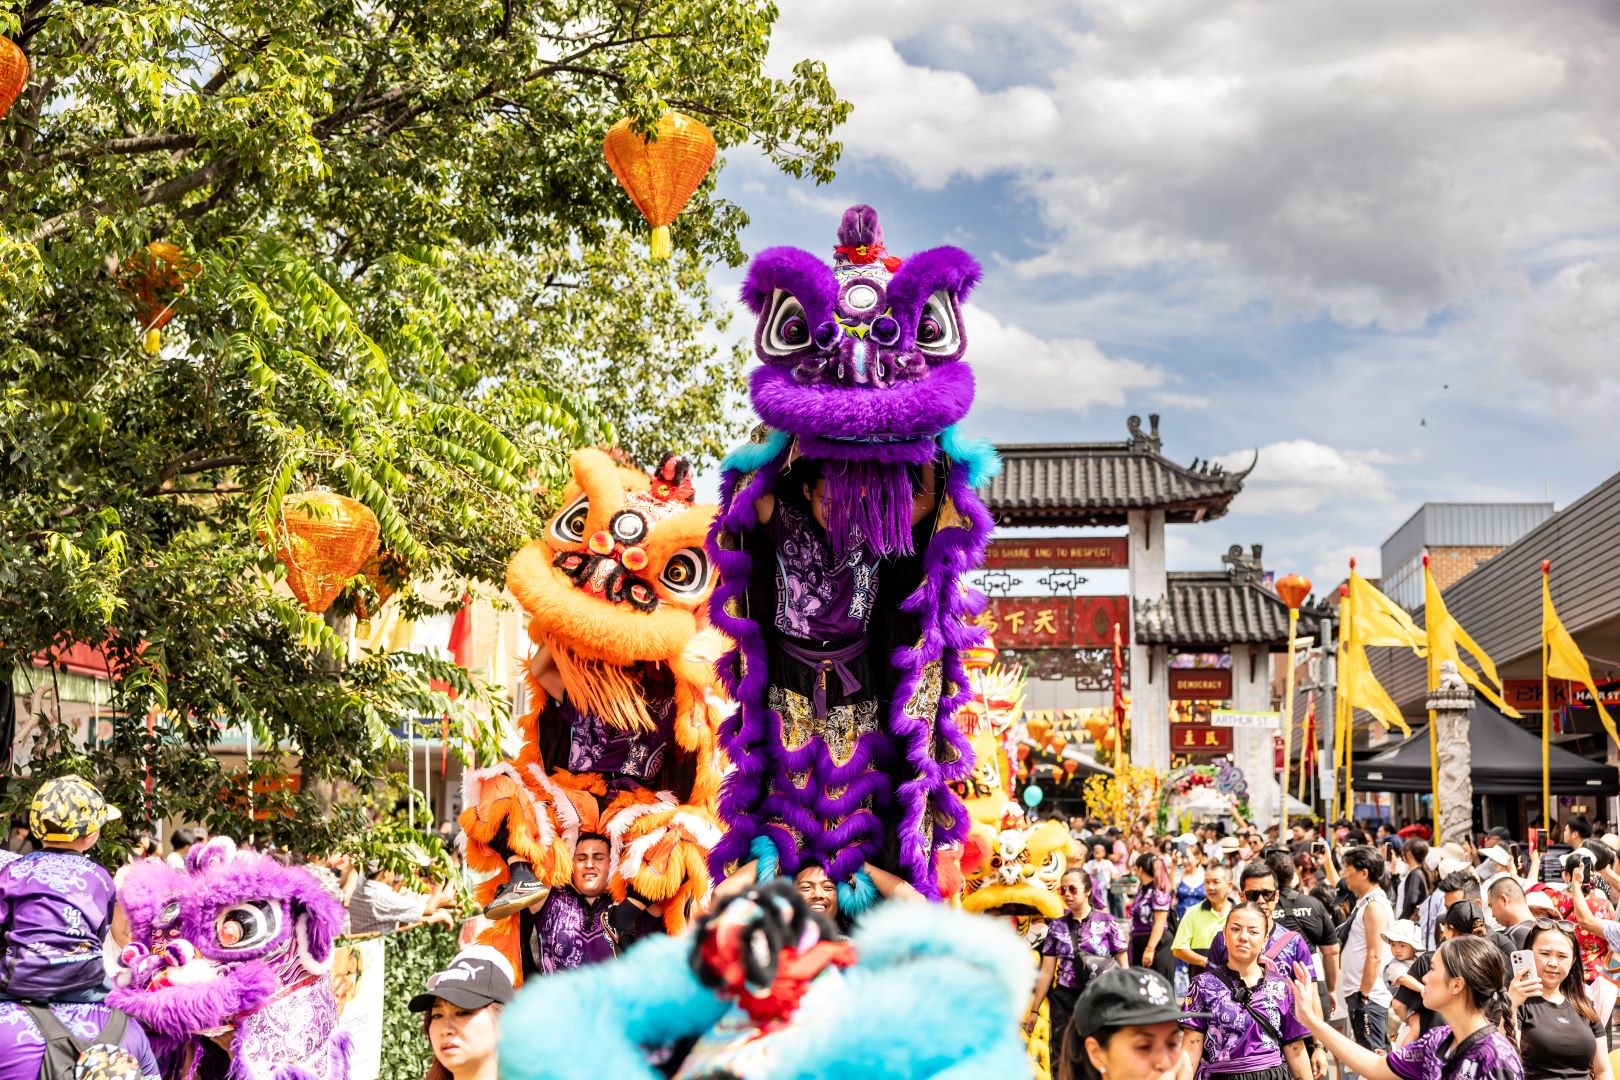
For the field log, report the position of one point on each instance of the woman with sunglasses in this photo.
(1243, 1025)
(1476, 1041)
(1560, 1037)
(1081, 929)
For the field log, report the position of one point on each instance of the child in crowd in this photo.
(55, 903)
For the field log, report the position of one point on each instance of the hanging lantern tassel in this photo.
(660, 174)
(13, 74)
(156, 277)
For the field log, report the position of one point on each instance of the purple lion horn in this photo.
(860, 227)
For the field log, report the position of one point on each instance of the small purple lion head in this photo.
(220, 941)
(866, 350)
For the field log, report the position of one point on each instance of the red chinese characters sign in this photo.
(1065, 552)
(1200, 684)
(1056, 622)
(1200, 739)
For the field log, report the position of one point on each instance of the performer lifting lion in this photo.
(618, 755)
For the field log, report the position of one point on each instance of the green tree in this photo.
(403, 272)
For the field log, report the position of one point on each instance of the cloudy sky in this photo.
(1378, 241)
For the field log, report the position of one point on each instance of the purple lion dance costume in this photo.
(239, 945)
(847, 524)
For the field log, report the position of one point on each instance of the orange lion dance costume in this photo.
(622, 746)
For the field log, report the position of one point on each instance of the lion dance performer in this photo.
(240, 946)
(845, 529)
(620, 742)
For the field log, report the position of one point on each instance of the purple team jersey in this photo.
(818, 596)
(1234, 1041)
(54, 909)
(22, 1048)
(1484, 1055)
(1099, 934)
(1146, 902)
(1295, 951)
(573, 931)
(599, 747)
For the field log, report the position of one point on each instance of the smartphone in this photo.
(1319, 845)
(1522, 960)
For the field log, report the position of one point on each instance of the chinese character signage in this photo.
(1065, 552)
(1200, 684)
(1200, 739)
(1056, 622)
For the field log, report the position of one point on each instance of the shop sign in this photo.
(1525, 694)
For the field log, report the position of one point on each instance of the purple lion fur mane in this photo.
(868, 439)
(174, 919)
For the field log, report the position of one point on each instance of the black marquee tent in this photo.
(1506, 761)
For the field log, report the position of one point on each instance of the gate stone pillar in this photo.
(1450, 703)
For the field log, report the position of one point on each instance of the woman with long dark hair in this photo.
(1127, 1026)
(1560, 1037)
(1151, 932)
(1476, 1040)
(1248, 1028)
(461, 1009)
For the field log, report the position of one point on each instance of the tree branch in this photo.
(155, 195)
(192, 461)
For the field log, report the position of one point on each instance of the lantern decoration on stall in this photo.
(326, 539)
(660, 174)
(13, 74)
(156, 276)
(1070, 767)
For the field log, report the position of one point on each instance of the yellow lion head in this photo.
(1022, 870)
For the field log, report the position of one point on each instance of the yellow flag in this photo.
(1378, 620)
(1445, 635)
(1563, 658)
(1362, 690)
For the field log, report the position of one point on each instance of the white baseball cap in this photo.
(1499, 856)
(1448, 865)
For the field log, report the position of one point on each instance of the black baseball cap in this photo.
(1501, 833)
(478, 976)
(1127, 997)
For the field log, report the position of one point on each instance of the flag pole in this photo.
(1288, 724)
(1434, 683)
(1349, 713)
(1546, 712)
(1339, 697)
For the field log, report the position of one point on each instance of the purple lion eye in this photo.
(828, 335)
(929, 331)
(885, 330)
(796, 331)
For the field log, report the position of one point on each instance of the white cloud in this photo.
(1015, 369)
(1301, 476)
(1380, 162)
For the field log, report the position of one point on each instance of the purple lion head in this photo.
(219, 942)
(866, 351)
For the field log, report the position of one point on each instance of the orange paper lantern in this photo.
(661, 173)
(13, 74)
(155, 277)
(327, 538)
(1070, 766)
(1294, 589)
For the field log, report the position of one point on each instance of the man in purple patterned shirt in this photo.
(579, 924)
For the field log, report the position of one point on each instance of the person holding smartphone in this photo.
(1560, 1037)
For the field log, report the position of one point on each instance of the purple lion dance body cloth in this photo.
(847, 525)
(236, 951)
